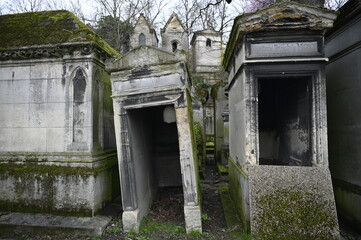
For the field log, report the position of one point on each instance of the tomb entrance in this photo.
(153, 125)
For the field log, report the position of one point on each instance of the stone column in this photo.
(192, 210)
(131, 217)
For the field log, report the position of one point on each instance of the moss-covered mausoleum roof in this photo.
(47, 27)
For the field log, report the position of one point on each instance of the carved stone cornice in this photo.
(52, 51)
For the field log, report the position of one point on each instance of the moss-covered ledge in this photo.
(54, 186)
(48, 27)
(58, 157)
(63, 169)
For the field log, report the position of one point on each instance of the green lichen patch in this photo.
(290, 214)
(232, 219)
(236, 192)
(34, 167)
(201, 149)
(107, 88)
(222, 170)
(47, 27)
(193, 141)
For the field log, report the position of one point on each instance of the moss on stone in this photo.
(47, 27)
(291, 214)
(201, 149)
(221, 169)
(107, 100)
(36, 167)
(35, 183)
(193, 141)
(64, 156)
(231, 216)
(235, 190)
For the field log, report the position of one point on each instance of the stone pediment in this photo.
(145, 55)
(286, 15)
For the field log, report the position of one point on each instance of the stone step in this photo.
(27, 223)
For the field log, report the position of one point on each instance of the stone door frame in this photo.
(312, 71)
(131, 214)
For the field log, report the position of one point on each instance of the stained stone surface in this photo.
(292, 203)
(53, 225)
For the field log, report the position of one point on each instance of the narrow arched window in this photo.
(141, 39)
(174, 46)
(79, 86)
(209, 42)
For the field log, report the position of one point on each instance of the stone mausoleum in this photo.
(79, 123)
(153, 125)
(343, 73)
(278, 165)
(57, 147)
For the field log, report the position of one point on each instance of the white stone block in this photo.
(73, 192)
(55, 139)
(20, 72)
(192, 215)
(14, 115)
(131, 220)
(37, 91)
(56, 91)
(46, 70)
(37, 115)
(56, 115)
(14, 91)
(28, 139)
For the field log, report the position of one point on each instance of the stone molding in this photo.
(52, 51)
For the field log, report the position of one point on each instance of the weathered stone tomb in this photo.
(57, 143)
(278, 165)
(153, 124)
(343, 72)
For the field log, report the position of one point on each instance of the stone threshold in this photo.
(26, 223)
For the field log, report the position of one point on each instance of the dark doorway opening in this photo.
(284, 117)
(155, 151)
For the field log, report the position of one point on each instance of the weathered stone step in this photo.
(23, 223)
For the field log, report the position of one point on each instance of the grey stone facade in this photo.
(143, 34)
(57, 134)
(174, 35)
(343, 100)
(152, 115)
(277, 116)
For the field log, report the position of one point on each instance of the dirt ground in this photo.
(166, 217)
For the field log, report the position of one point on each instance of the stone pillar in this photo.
(131, 218)
(225, 146)
(192, 210)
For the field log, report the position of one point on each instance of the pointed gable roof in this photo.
(142, 20)
(174, 23)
